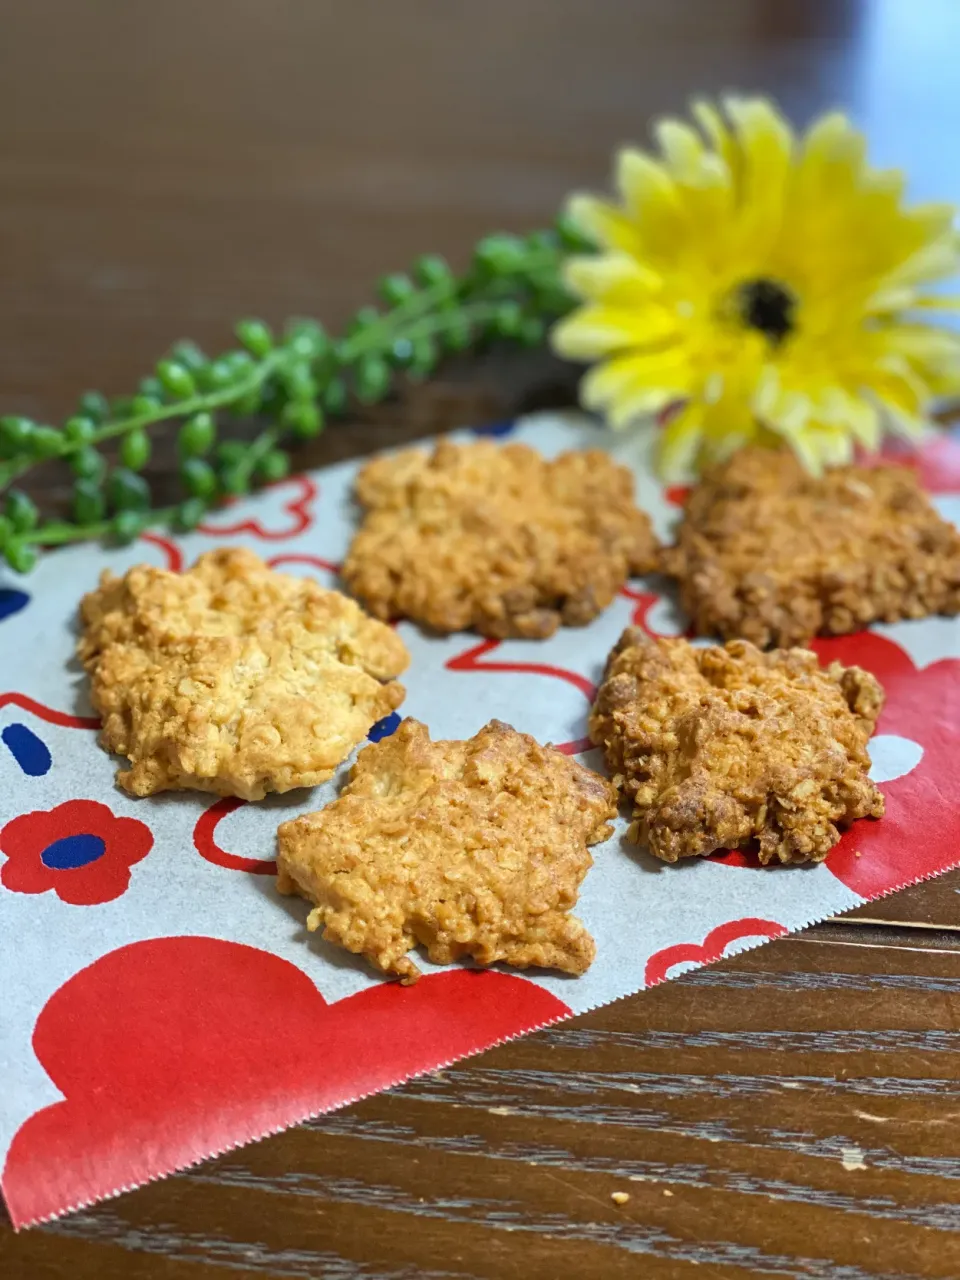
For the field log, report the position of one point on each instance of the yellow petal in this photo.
(593, 331)
(682, 149)
(932, 262)
(921, 342)
(907, 425)
(653, 203)
(832, 156)
(712, 123)
(613, 278)
(679, 443)
(805, 445)
(932, 220)
(843, 411)
(628, 379)
(936, 302)
(766, 141)
(602, 223)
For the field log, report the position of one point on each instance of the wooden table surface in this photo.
(168, 167)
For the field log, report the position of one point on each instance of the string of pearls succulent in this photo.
(290, 382)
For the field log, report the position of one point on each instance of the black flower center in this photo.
(768, 306)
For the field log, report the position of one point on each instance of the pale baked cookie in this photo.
(771, 554)
(233, 678)
(473, 848)
(730, 748)
(496, 538)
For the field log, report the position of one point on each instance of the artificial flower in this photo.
(80, 850)
(756, 286)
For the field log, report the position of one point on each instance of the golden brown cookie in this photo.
(233, 678)
(496, 538)
(473, 848)
(771, 554)
(730, 748)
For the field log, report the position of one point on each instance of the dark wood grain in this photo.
(166, 168)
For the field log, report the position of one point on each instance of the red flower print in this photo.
(937, 463)
(294, 517)
(168, 1050)
(919, 834)
(80, 850)
(712, 948)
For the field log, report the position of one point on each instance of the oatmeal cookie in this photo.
(730, 748)
(473, 848)
(771, 554)
(233, 678)
(496, 538)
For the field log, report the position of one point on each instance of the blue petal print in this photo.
(495, 429)
(32, 755)
(12, 602)
(70, 852)
(383, 728)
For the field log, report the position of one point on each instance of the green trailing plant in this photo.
(291, 383)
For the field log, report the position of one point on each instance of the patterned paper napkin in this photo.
(161, 1002)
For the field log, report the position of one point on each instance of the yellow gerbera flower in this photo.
(768, 286)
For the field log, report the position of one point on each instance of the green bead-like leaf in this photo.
(198, 478)
(94, 404)
(235, 480)
(190, 513)
(335, 396)
(80, 429)
(499, 255)
(189, 355)
(457, 334)
(6, 531)
(363, 320)
(20, 556)
(372, 379)
(230, 452)
(571, 236)
(302, 418)
(255, 336)
(195, 438)
(126, 491)
(273, 466)
(508, 319)
(142, 406)
(217, 375)
(240, 364)
(396, 289)
(306, 338)
(152, 387)
(87, 463)
(298, 382)
(249, 403)
(128, 525)
(89, 503)
(400, 353)
(21, 510)
(47, 442)
(176, 379)
(135, 449)
(16, 435)
(432, 270)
